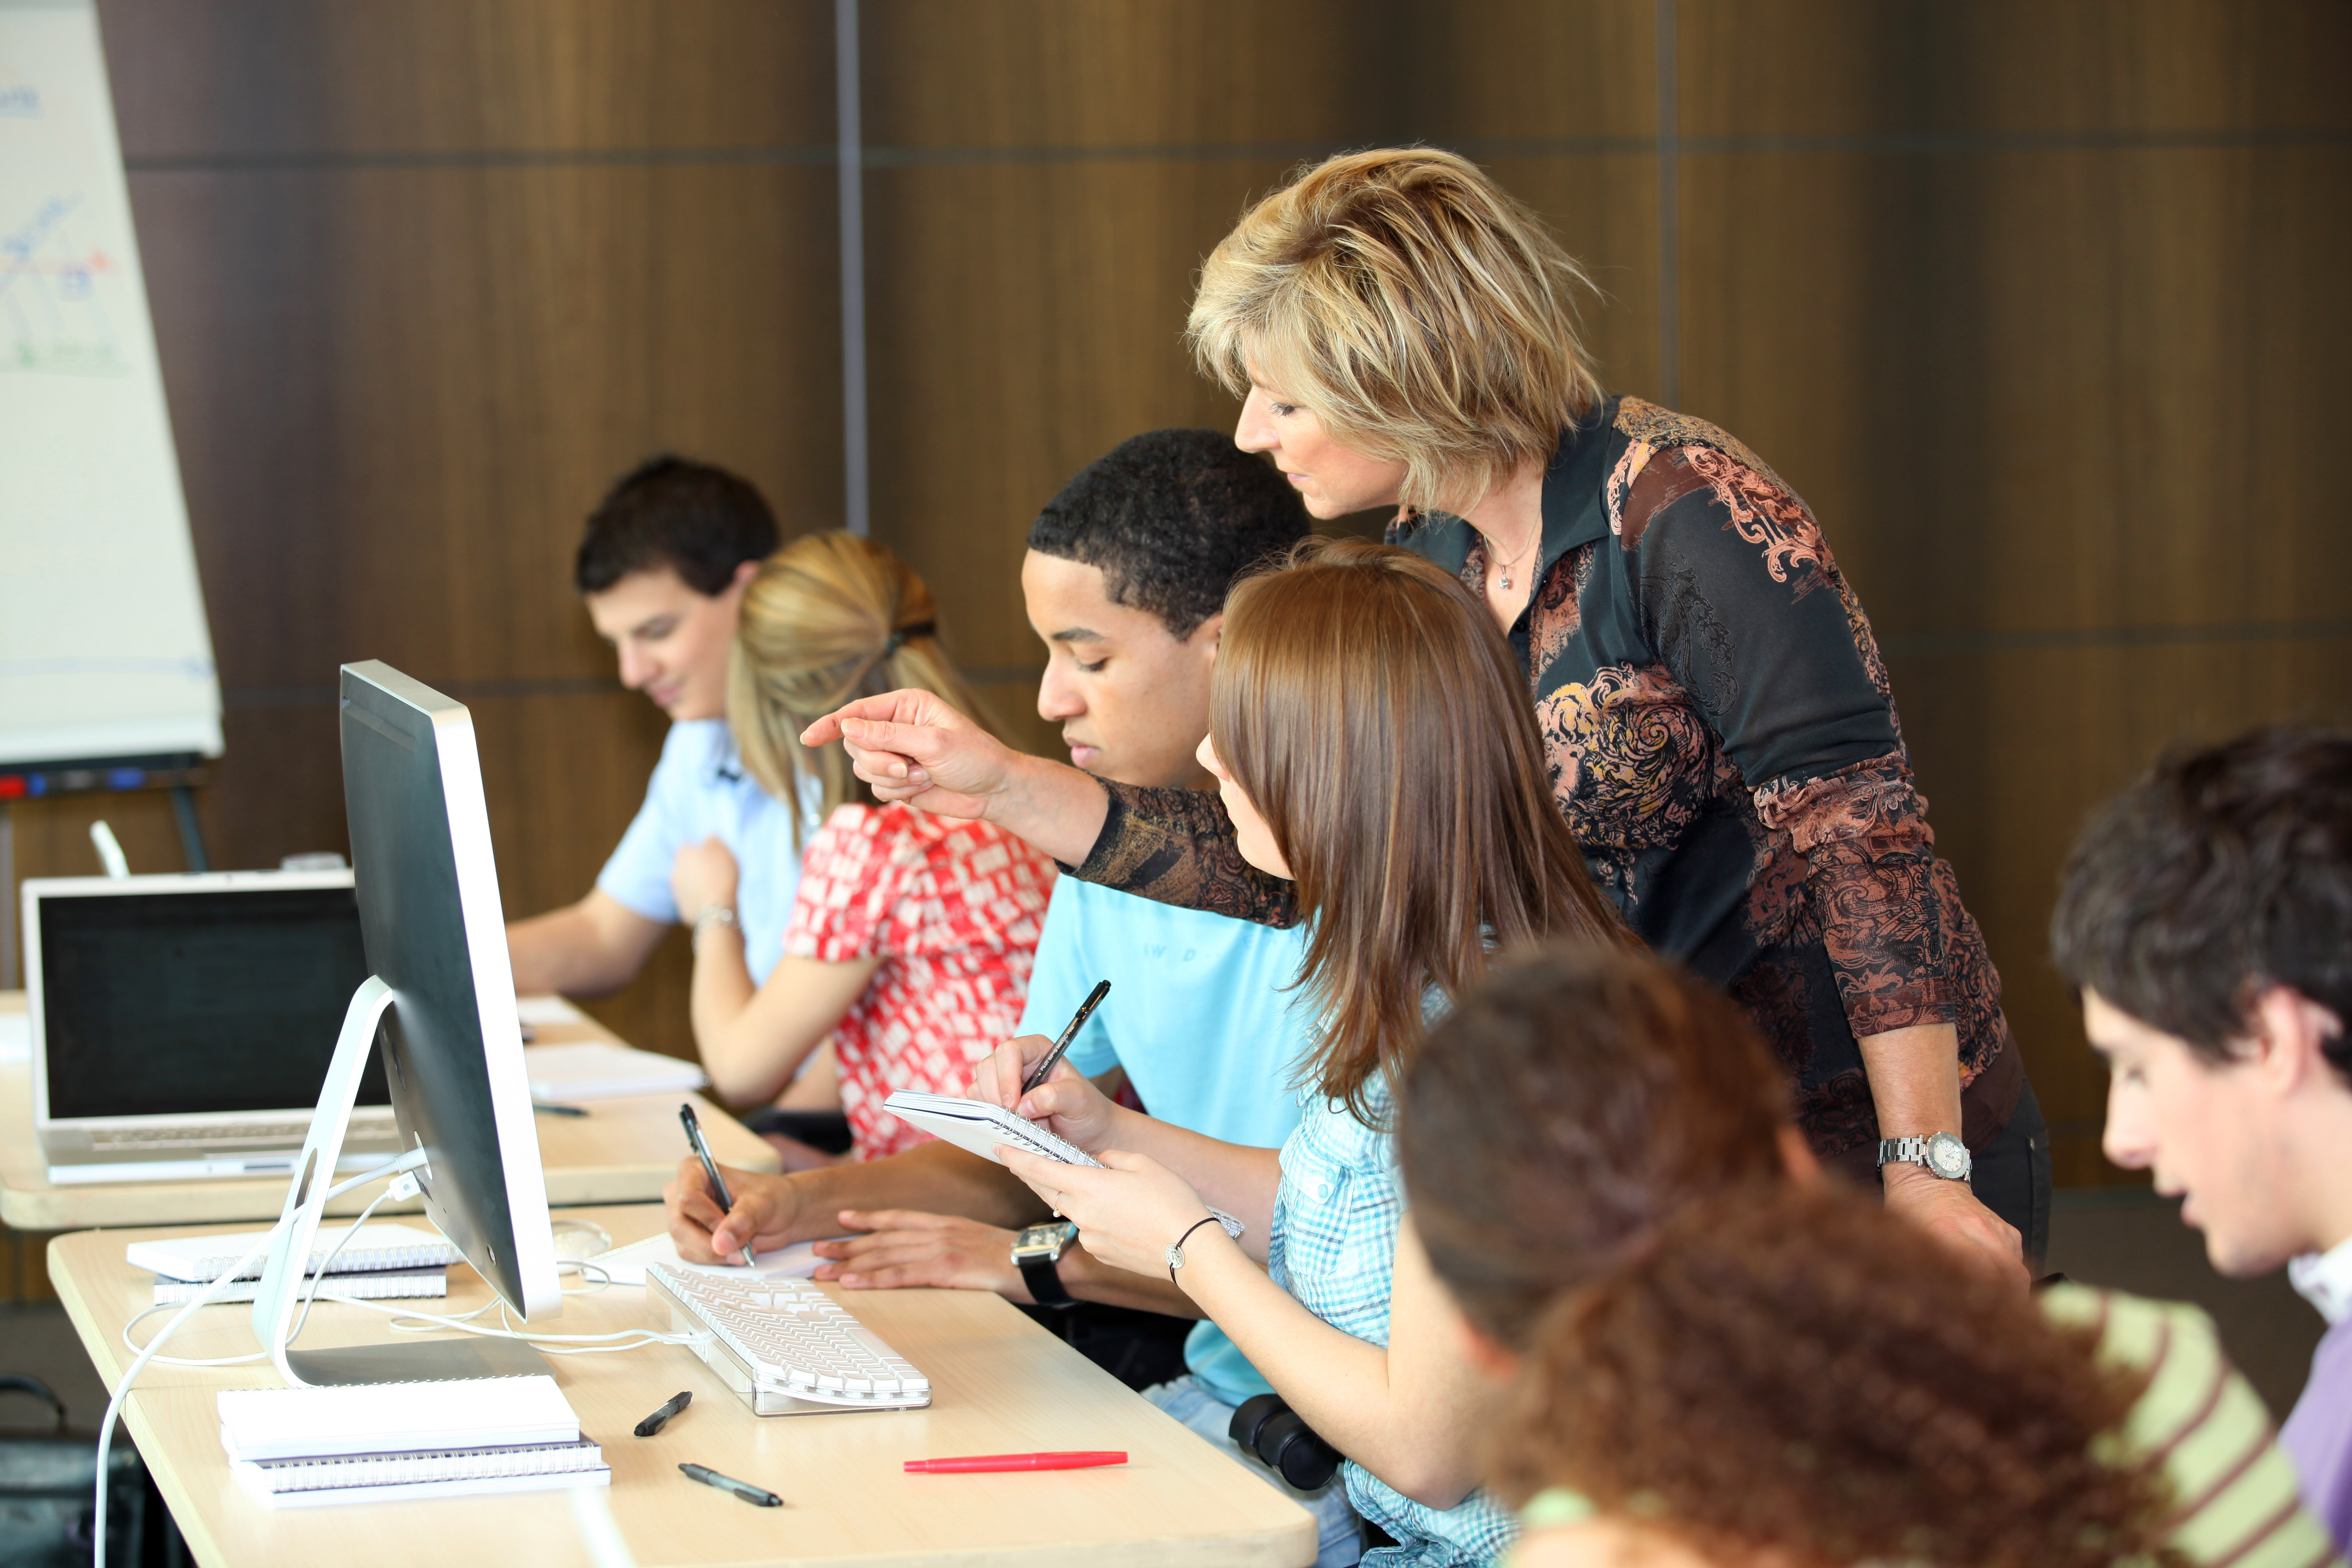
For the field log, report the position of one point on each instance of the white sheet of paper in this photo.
(15, 1036)
(540, 1010)
(627, 1264)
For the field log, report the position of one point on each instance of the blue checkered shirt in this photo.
(1333, 1247)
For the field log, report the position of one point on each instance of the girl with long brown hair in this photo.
(1417, 849)
(911, 940)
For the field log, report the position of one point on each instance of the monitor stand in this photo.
(283, 1277)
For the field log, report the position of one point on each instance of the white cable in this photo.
(406, 1163)
(132, 1345)
(409, 1321)
(122, 1389)
(333, 1253)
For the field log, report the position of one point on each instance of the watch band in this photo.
(1941, 1154)
(1044, 1278)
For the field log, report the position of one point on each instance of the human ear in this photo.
(1206, 634)
(1489, 1356)
(1798, 1159)
(2289, 1037)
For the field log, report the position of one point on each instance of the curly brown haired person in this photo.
(1717, 1356)
(1790, 1374)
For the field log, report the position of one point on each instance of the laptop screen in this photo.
(192, 1003)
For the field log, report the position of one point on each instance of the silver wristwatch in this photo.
(1939, 1154)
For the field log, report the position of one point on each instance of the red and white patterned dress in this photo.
(954, 910)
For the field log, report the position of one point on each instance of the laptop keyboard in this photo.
(243, 1135)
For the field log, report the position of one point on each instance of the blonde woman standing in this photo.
(1719, 722)
(912, 937)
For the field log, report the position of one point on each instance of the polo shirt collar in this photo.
(1573, 513)
(2324, 1279)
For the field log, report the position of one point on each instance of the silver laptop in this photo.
(182, 1026)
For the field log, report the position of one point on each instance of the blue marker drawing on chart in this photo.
(53, 287)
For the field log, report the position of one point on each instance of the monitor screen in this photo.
(189, 1002)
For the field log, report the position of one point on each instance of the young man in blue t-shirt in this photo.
(1125, 583)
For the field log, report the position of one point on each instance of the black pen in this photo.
(710, 1169)
(1078, 1021)
(744, 1489)
(660, 1418)
(549, 1108)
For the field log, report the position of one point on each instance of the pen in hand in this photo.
(719, 1192)
(1069, 1033)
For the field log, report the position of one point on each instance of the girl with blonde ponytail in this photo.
(911, 941)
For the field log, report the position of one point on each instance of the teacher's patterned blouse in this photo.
(1724, 745)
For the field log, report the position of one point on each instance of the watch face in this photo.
(1947, 1156)
(1045, 1240)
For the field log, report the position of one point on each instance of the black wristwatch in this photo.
(1037, 1253)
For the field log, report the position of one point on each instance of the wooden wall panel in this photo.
(2031, 303)
(453, 80)
(426, 278)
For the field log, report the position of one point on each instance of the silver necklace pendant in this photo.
(1506, 580)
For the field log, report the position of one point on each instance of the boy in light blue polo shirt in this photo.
(661, 567)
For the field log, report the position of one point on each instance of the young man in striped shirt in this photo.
(2206, 916)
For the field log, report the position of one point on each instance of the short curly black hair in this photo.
(1172, 517)
(696, 518)
(2226, 871)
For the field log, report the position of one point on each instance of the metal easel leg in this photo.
(192, 832)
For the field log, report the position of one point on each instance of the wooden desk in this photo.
(620, 1152)
(1000, 1384)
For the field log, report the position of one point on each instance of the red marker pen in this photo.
(971, 1464)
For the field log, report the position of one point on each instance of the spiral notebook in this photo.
(372, 1420)
(447, 1472)
(387, 1286)
(377, 1248)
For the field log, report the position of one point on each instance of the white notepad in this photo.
(594, 1069)
(453, 1472)
(258, 1424)
(978, 1126)
(390, 1286)
(627, 1264)
(375, 1248)
(547, 1011)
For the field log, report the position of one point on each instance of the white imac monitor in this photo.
(452, 1047)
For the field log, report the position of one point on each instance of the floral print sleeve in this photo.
(1749, 613)
(1724, 743)
(1177, 846)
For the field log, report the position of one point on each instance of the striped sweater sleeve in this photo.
(2234, 1496)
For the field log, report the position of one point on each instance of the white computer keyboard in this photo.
(784, 1346)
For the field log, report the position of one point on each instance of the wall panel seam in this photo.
(887, 157)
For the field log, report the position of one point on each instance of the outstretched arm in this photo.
(911, 746)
